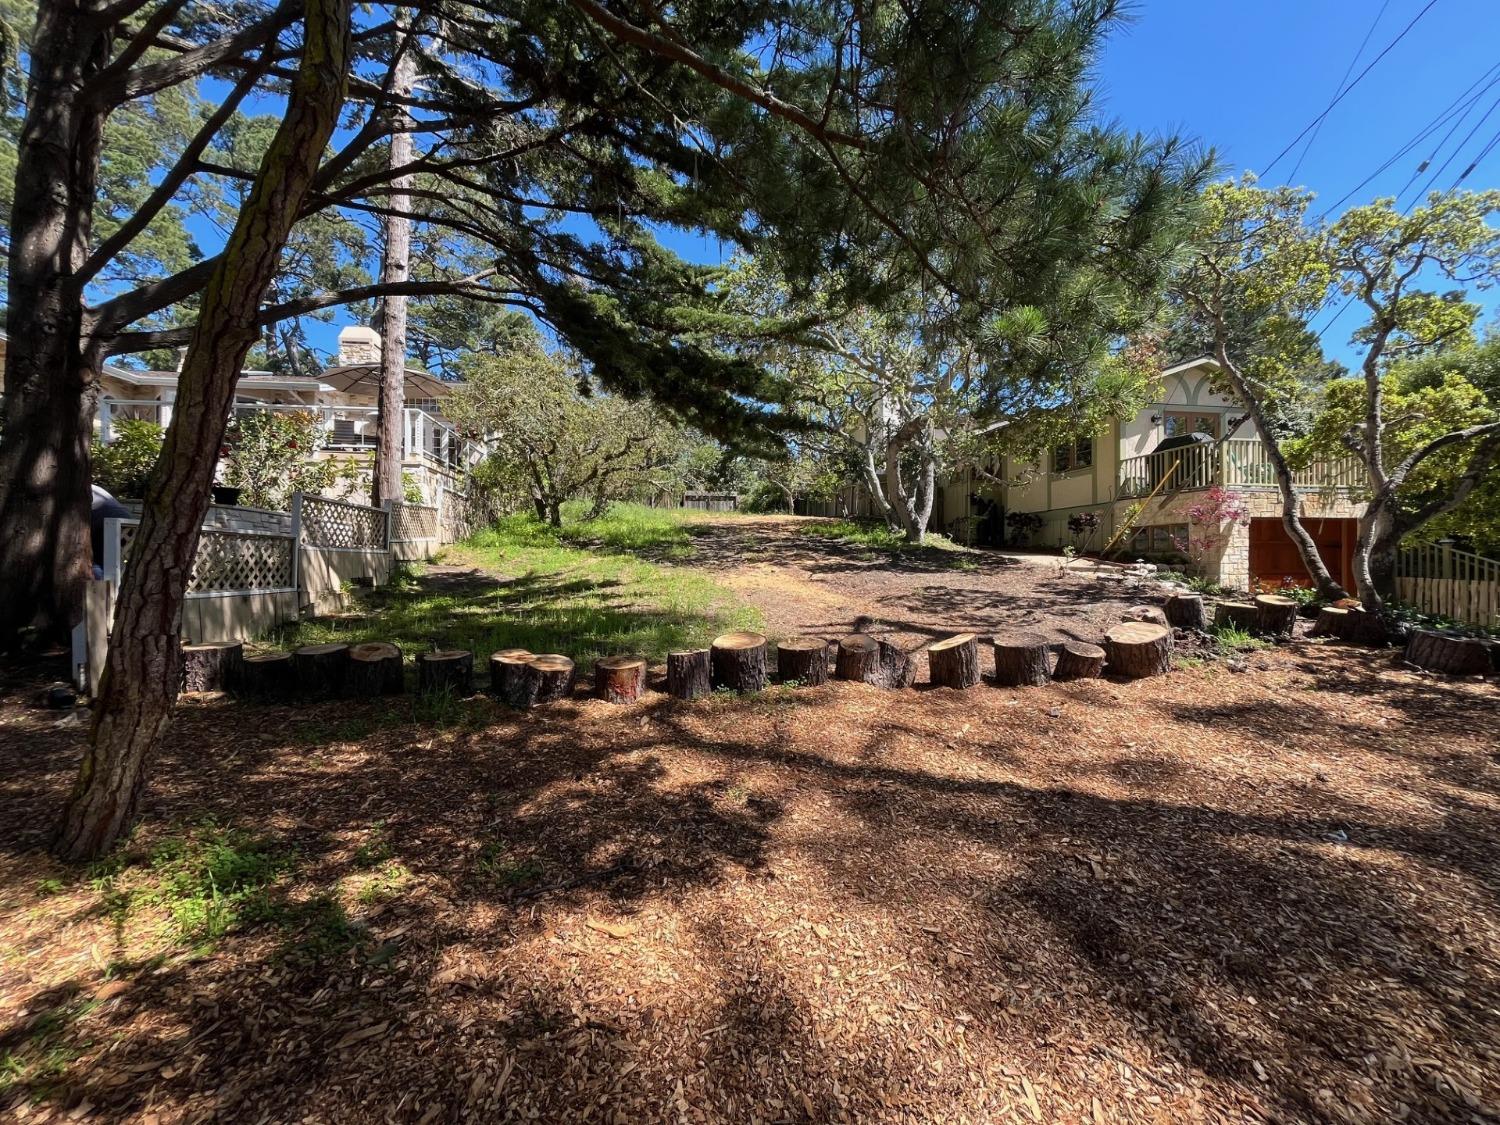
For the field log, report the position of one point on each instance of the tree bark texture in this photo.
(619, 679)
(508, 675)
(212, 667)
(1185, 611)
(374, 669)
(143, 669)
(739, 661)
(897, 668)
(1154, 614)
(50, 382)
(954, 661)
(1444, 652)
(395, 268)
(268, 676)
(1138, 649)
(1236, 615)
(548, 678)
(689, 675)
(803, 660)
(1079, 660)
(858, 659)
(321, 670)
(1021, 660)
(1275, 616)
(450, 670)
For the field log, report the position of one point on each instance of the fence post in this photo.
(440, 490)
(388, 506)
(297, 548)
(1445, 548)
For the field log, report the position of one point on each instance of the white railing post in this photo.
(297, 547)
(106, 416)
(112, 550)
(440, 491)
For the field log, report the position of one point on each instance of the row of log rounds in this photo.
(524, 679)
(1269, 615)
(361, 671)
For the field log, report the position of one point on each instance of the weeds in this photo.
(502, 869)
(1231, 639)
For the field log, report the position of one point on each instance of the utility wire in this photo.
(1348, 70)
(1431, 156)
(1460, 147)
(1349, 88)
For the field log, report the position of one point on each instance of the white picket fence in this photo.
(1438, 579)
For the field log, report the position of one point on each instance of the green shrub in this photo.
(124, 465)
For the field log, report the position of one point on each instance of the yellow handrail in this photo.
(1129, 524)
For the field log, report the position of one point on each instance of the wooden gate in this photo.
(1275, 560)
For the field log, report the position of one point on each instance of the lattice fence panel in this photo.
(231, 561)
(332, 523)
(415, 521)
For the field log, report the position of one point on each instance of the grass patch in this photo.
(1231, 640)
(37, 1057)
(877, 538)
(554, 596)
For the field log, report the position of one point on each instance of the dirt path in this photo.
(808, 584)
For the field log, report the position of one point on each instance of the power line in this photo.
(1363, 43)
(1452, 155)
(1439, 146)
(1349, 88)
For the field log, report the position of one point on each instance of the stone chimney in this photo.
(358, 345)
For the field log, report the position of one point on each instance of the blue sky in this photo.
(1246, 76)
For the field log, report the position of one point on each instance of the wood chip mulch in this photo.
(1215, 896)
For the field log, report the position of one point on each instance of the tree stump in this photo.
(1021, 660)
(1330, 622)
(548, 678)
(321, 670)
(507, 675)
(619, 679)
(1185, 611)
(739, 661)
(212, 667)
(897, 669)
(1138, 649)
(1361, 627)
(858, 659)
(1274, 615)
(954, 661)
(1447, 652)
(1079, 660)
(1235, 615)
(374, 669)
(268, 676)
(688, 673)
(803, 660)
(449, 670)
(1151, 613)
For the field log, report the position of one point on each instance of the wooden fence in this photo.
(1438, 579)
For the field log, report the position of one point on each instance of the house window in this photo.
(1073, 455)
(1181, 422)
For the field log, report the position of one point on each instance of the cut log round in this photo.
(450, 670)
(1079, 660)
(688, 673)
(1362, 627)
(1185, 611)
(321, 670)
(507, 675)
(1330, 622)
(1235, 615)
(268, 676)
(1138, 649)
(802, 660)
(1021, 660)
(212, 667)
(954, 661)
(1274, 615)
(858, 659)
(619, 679)
(1446, 652)
(897, 668)
(374, 669)
(1151, 613)
(739, 661)
(548, 678)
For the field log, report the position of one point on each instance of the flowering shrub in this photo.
(1081, 526)
(1209, 523)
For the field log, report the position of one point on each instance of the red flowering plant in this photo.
(1210, 523)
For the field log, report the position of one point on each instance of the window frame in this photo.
(1072, 447)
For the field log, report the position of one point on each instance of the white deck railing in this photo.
(1237, 463)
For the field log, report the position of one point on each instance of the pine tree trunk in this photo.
(803, 660)
(50, 380)
(144, 665)
(1021, 660)
(954, 661)
(689, 675)
(395, 268)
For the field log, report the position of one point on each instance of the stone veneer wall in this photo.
(1229, 563)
